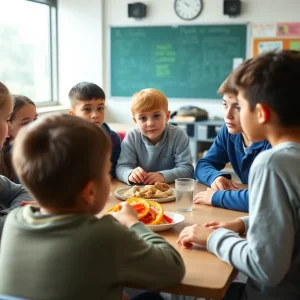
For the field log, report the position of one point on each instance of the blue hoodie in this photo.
(115, 146)
(229, 148)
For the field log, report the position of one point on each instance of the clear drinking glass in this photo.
(184, 189)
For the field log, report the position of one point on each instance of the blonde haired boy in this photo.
(156, 150)
(66, 252)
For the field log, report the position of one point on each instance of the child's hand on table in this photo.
(204, 197)
(237, 225)
(153, 177)
(126, 216)
(223, 183)
(138, 175)
(195, 234)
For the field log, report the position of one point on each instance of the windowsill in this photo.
(53, 109)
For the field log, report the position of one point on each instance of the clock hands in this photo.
(188, 9)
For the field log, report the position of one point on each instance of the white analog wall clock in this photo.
(188, 9)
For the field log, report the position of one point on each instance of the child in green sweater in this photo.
(68, 253)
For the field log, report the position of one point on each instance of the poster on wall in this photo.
(264, 30)
(288, 30)
(295, 45)
(269, 46)
(275, 36)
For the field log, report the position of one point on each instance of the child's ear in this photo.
(71, 112)
(88, 193)
(134, 119)
(168, 116)
(263, 113)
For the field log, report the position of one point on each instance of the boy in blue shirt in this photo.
(156, 151)
(268, 93)
(231, 145)
(88, 102)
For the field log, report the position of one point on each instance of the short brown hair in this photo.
(147, 100)
(56, 156)
(85, 91)
(272, 78)
(227, 87)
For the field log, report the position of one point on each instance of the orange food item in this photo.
(135, 201)
(149, 212)
(140, 205)
(113, 209)
(156, 211)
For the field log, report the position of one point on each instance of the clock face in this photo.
(188, 9)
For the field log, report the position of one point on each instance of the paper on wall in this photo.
(269, 46)
(288, 29)
(295, 45)
(264, 30)
(236, 62)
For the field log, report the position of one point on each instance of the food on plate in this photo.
(149, 212)
(158, 190)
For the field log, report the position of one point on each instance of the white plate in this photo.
(119, 193)
(177, 218)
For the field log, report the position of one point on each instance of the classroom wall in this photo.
(88, 26)
(80, 44)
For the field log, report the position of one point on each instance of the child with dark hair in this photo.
(268, 95)
(88, 102)
(24, 112)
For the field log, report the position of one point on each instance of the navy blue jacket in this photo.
(229, 148)
(116, 148)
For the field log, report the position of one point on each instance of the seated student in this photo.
(24, 112)
(66, 251)
(156, 151)
(268, 93)
(88, 102)
(11, 195)
(231, 145)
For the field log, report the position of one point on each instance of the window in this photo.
(28, 49)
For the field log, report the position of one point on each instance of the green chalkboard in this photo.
(181, 61)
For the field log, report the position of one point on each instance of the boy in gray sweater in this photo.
(268, 93)
(66, 252)
(155, 151)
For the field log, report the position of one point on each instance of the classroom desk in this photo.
(206, 276)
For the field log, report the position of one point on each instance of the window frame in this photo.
(47, 2)
(53, 41)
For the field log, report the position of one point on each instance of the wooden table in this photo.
(206, 276)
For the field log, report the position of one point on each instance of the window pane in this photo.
(25, 49)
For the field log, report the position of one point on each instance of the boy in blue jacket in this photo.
(88, 102)
(231, 145)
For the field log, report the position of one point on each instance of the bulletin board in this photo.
(265, 44)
